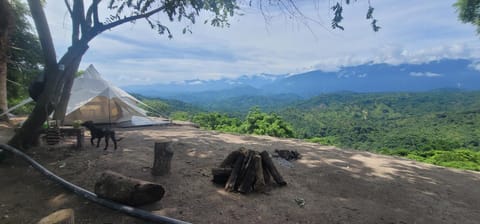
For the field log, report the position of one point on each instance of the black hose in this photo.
(139, 213)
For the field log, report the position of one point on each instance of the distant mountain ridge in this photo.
(440, 74)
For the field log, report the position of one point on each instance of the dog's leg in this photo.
(106, 142)
(98, 142)
(91, 140)
(114, 140)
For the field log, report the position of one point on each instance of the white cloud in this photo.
(425, 74)
(475, 65)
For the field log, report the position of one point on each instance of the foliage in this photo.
(256, 122)
(176, 110)
(217, 121)
(438, 127)
(25, 59)
(458, 158)
(261, 123)
(441, 120)
(469, 12)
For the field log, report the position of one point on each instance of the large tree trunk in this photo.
(3, 79)
(5, 26)
(61, 108)
(27, 135)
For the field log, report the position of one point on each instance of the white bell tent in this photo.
(95, 99)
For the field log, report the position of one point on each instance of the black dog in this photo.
(99, 133)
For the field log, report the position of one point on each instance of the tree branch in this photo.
(68, 7)
(127, 19)
(79, 15)
(92, 12)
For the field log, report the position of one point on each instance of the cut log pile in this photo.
(246, 171)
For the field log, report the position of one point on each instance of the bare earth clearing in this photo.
(338, 186)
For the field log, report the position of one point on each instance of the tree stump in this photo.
(127, 190)
(64, 216)
(162, 159)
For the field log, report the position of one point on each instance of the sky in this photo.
(413, 31)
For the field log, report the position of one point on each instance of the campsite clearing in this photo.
(327, 185)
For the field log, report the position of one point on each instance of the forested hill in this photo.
(443, 119)
(439, 127)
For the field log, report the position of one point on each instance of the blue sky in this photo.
(412, 31)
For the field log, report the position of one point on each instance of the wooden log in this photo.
(221, 175)
(266, 175)
(259, 178)
(243, 172)
(268, 165)
(231, 158)
(127, 190)
(162, 159)
(230, 185)
(248, 180)
(64, 216)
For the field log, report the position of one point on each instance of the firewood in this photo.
(268, 165)
(259, 178)
(246, 162)
(266, 175)
(127, 190)
(230, 185)
(220, 175)
(231, 158)
(248, 177)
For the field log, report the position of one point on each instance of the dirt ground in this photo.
(337, 185)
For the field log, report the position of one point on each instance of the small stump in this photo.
(162, 159)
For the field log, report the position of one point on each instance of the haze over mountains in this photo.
(441, 74)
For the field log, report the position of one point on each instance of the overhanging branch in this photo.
(128, 19)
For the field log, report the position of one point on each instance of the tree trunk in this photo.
(6, 21)
(27, 135)
(3, 86)
(61, 108)
(162, 159)
(127, 190)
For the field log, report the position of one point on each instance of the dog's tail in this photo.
(119, 139)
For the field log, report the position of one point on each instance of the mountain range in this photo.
(460, 74)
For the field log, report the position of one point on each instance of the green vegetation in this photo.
(438, 127)
(256, 122)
